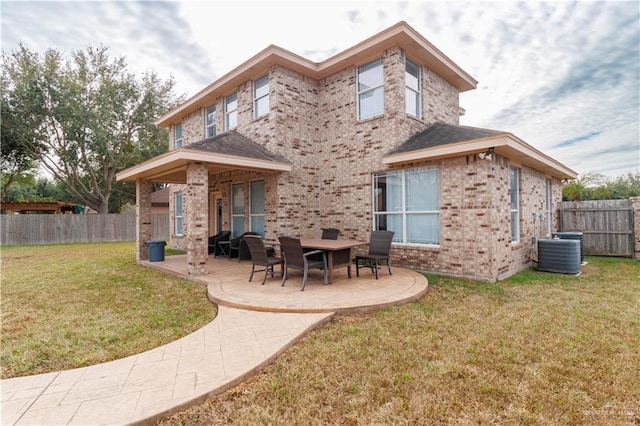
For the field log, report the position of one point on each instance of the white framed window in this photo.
(177, 136)
(261, 96)
(231, 111)
(178, 217)
(370, 89)
(237, 209)
(412, 88)
(515, 204)
(256, 207)
(407, 202)
(210, 121)
(548, 204)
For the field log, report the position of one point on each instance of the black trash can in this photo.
(156, 250)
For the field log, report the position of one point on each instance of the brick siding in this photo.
(313, 124)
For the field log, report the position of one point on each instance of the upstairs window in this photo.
(210, 122)
(370, 90)
(515, 205)
(412, 88)
(261, 96)
(178, 135)
(231, 111)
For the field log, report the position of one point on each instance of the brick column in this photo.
(635, 205)
(143, 219)
(196, 215)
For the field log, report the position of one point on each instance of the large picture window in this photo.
(256, 208)
(210, 121)
(231, 111)
(515, 205)
(178, 225)
(261, 96)
(370, 90)
(237, 209)
(412, 88)
(407, 202)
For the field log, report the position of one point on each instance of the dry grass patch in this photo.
(72, 305)
(539, 348)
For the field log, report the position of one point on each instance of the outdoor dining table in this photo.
(338, 252)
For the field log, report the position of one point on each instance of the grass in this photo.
(538, 348)
(72, 305)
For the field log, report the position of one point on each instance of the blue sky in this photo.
(564, 76)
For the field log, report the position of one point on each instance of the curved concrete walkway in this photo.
(254, 325)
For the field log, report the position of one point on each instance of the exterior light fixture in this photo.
(488, 155)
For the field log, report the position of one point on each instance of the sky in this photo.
(564, 76)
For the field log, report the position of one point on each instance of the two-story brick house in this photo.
(367, 139)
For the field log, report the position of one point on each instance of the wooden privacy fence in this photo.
(607, 225)
(27, 229)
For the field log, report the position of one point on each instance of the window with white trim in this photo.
(548, 203)
(412, 88)
(237, 209)
(261, 96)
(210, 121)
(178, 216)
(177, 136)
(515, 204)
(407, 202)
(256, 207)
(370, 89)
(231, 111)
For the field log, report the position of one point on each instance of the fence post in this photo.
(635, 205)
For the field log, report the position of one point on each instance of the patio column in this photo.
(197, 218)
(143, 219)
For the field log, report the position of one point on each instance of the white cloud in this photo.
(562, 75)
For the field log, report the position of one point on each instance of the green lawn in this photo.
(71, 305)
(539, 348)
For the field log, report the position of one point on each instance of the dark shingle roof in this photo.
(235, 144)
(442, 134)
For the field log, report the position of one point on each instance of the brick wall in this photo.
(313, 124)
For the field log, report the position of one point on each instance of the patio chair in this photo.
(259, 257)
(238, 247)
(214, 248)
(295, 258)
(379, 248)
(330, 233)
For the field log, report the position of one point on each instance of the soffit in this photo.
(467, 141)
(223, 153)
(402, 35)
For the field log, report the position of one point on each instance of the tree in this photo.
(16, 162)
(89, 116)
(595, 186)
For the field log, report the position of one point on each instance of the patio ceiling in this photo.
(226, 152)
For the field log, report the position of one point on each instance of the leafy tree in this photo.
(594, 186)
(16, 162)
(89, 117)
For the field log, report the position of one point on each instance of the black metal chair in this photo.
(295, 258)
(259, 257)
(214, 248)
(379, 249)
(330, 233)
(238, 247)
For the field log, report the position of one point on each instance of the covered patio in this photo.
(228, 285)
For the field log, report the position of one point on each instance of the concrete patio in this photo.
(255, 324)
